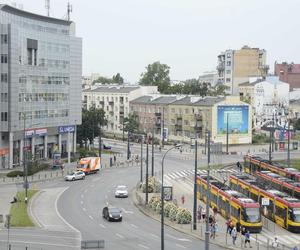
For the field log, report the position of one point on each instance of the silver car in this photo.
(78, 175)
(121, 192)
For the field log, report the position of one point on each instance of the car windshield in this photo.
(122, 188)
(296, 214)
(251, 215)
(114, 210)
(83, 165)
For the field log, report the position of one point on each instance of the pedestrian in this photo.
(275, 243)
(295, 248)
(199, 213)
(210, 219)
(203, 214)
(238, 227)
(115, 159)
(233, 235)
(182, 199)
(239, 165)
(247, 239)
(110, 162)
(214, 228)
(229, 226)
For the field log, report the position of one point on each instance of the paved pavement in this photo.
(6, 196)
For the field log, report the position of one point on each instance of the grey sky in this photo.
(126, 35)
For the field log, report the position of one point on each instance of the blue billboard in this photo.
(238, 119)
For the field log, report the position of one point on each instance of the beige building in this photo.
(187, 117)
(236, 66)
(114, 100)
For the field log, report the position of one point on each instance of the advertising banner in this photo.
(66, 129)
(165, 134)
(282, 134)
(238, 119)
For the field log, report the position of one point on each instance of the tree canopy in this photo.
(131, 123)
(105, 80)
(156, 74)
(92, 119)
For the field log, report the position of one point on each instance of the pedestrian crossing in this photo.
(266, 237)
(190, 172)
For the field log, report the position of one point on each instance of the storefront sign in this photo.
(41, 131)
(281, 145)
(29, 133)
(66, 129)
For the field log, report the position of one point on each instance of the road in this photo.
(81, 205)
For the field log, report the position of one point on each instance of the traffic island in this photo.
(18, 210)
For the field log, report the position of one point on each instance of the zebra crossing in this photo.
(189, 172)
(266, 237)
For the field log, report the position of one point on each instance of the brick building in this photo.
(289, 73)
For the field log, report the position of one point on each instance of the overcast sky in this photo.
(126, 35)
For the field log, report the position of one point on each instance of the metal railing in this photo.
(92, 244)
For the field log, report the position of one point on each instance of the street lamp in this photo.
(162, 196)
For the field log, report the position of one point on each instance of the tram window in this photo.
(251, 214)
(253, 196)
(281, 212)
(295, 214)
(297, 194)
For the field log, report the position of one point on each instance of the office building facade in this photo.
(41, 64)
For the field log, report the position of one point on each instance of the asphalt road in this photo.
(81, 205)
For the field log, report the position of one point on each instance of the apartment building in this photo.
(236, 66)
(289, 73)
(41, 62)
(186, 117)
(114, 100)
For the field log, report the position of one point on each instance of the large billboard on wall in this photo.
(237, 116)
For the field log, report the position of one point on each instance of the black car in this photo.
(107, 147)
(112, 214)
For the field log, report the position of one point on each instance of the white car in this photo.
(78, 175)
(121, 192)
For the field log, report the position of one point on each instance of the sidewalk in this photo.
(6, 196)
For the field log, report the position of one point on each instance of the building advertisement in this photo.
(66, 129)
(238, 119)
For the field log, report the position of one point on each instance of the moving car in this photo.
(106, 147)
(112, 214)
(78, 175)
(121, 192)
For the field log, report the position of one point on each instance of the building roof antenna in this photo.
(69, 10)
(47, 7)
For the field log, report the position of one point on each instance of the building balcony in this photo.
(158, 124)
(157, 114)
(111, 102)
(121, 112)
(221, 66)
(198, 117)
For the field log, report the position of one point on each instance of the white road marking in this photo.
(181, 246)
(81, 202)
(143, 246)
(101, 225)
(40, 243)
(134, 226)
(91, 217)
(84, 209)
(120, 236)
(82, 196)
(154, 235)
(171, 236)
(185, 240)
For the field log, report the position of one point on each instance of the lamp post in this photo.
(142, 141)
(227, 135)
(162, 197)
(152, 155)
(207, 193)
(100, 139)
(128, 149)
(288, 149)
(195, 189)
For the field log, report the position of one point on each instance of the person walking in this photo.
(182, 199)
(275, 243)
(229, 226)
(233, 235)
(214, 228)
(247, 239)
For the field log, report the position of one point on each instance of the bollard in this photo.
(51, 174)
(45, 176)
(39, 176)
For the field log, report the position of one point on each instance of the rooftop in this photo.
(22, 13)
(111, 89)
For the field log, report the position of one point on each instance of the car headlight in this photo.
(120, 215)
(110, 215)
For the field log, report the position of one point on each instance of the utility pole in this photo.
(147, 173)
(227, 136)
(128, 149)
(152, 155)
(24, 160)
(273, 131)
(163, 128)
(100, 143)
(288, 151)
(69, 10)
(123, 130)
(195, 188)
(205, 143)
(8, 217)
(142, 141)
(207, 193)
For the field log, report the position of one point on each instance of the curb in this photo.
(174, 227)
(29, 210)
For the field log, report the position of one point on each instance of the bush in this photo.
(34, 167)
(153, 202)
(158, 207)
(14, 173)
(168, 207)
(183, 216)
(173, 213)
(150, 186)
(260, 138)
(86, 153)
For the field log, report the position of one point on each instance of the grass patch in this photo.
(18, 210)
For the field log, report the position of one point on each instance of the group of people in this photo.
(233, 231)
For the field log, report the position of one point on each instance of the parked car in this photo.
(106, 147)
(121, 192)
(112, 214)
(78, 175)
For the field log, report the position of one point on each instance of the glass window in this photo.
(3, 58)
(3, 38)
(228, 63)
(251, 215)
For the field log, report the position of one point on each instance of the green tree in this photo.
(103, 80)
(157, 74)
(131, 123)
(297, 124)
(117, 79)
(219, 89)
(92, 119)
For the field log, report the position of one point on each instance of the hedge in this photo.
(168, 207)
(183, 216)
(14, 173)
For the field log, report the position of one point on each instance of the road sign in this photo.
(265, 201)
